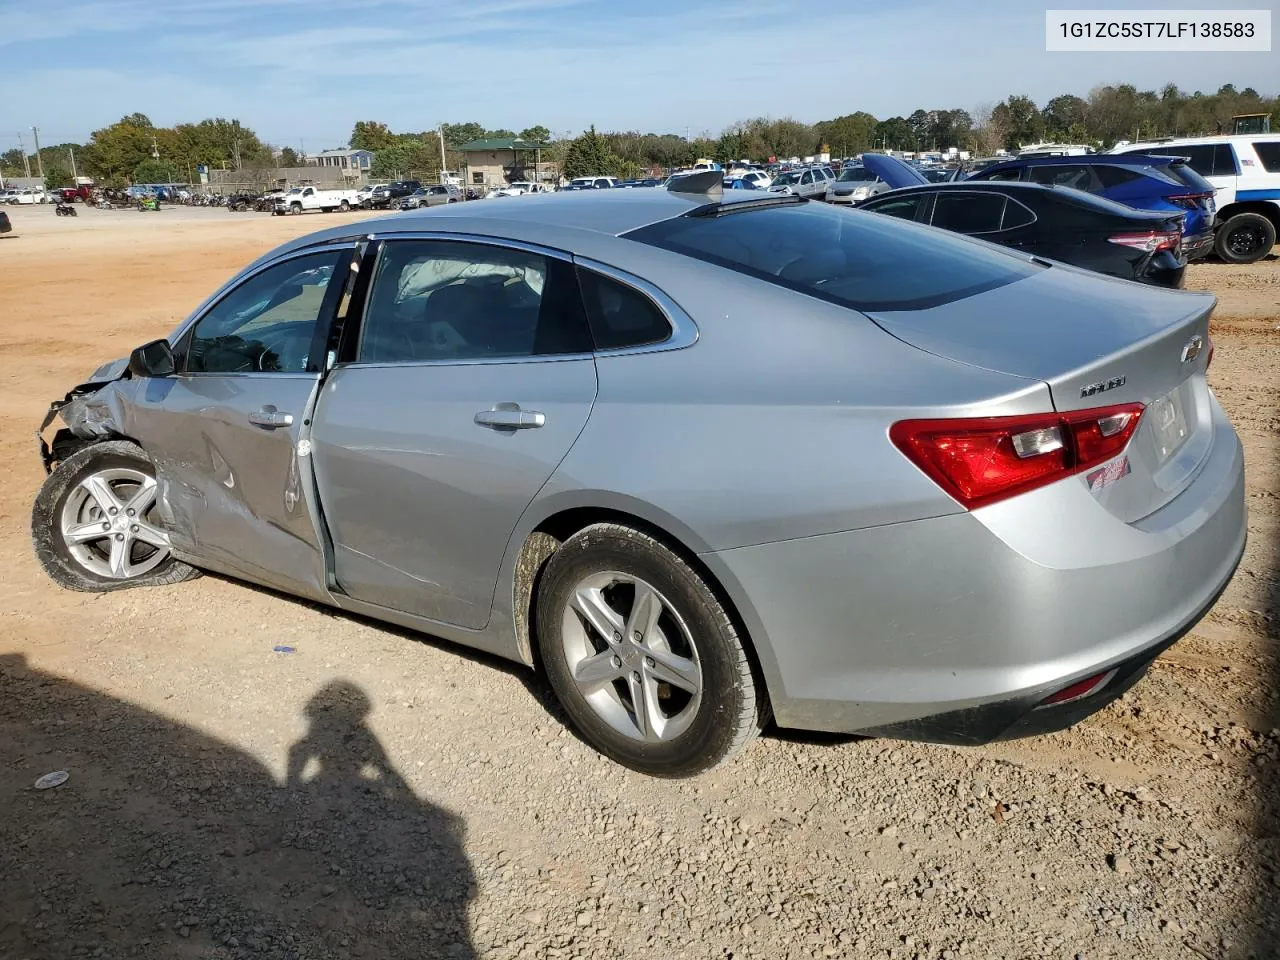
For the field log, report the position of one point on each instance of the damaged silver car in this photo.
(703, 457)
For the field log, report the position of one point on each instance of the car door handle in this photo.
(509, 416)
(270, 418)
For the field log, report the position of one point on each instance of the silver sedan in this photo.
(703, 459)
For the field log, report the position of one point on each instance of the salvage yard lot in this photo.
(365, 791)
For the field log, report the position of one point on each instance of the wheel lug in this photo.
(648, 662)
(637, 636)
(120, 537)
(617, 662)
(635, 677)
(130, 511)
(113, 511)
(133, 528)
(106, 526)
(616, 636)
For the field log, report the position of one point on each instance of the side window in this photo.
(1005, 175)
(620, 316)
(968, 212)
(1199, 156)
(808, 177)
(904, 208)
(268, 322)
(1016, 215)
(1075, 175)
(443, 301)
(1115, 176)
(1224, 161)
(1269, 154)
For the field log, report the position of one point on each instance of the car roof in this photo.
(1192, 141)
(1108, 159)
(603, 213)
(1028, 191)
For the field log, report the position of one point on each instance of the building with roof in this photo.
(495, 161)
(356, 162)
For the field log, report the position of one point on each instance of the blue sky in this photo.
(301, 71)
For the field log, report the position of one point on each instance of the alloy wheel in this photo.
(108, 527)
(632, 656)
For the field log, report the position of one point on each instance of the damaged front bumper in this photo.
(90, 412)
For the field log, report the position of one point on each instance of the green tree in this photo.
(1020, 119)
(406, 159)
(456, 134)
(502, 133)
(893, 134)
(154, 171)
(589, 155)
(289, 157)
(848, 135)
(371, 135)
(539, 134)
(1062, 113)
(56, 175)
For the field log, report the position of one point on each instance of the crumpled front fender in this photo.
(91, 411)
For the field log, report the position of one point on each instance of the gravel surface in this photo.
(380, 794)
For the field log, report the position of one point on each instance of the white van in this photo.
(1245, 171)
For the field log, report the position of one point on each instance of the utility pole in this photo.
(443, 163)
(39, 162)
(26, 163)
(74, 179)
(155, 148)
(235, 149)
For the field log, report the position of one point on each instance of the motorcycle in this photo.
(102, 203)
(63, 209)
(148, 203)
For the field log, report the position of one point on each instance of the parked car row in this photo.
(25, 195)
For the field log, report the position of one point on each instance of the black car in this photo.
(393, 193)
(1057, 223)
(5, 225)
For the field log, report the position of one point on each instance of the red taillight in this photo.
(1152, 241)
(980, 461)
(1189, 200)
(1080, 690)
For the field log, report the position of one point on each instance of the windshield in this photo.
(782, 179)
(856, 175)
(857, 260)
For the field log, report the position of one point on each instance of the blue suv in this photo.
(1166, 184)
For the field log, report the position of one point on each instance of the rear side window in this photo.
(1115, 176)
(1078, 176)
(1183, 173)
(968, 212)
(849, 258)
(1016, 215)
(620, 316)
(1269, 154)
(904, 208)
(1206, 159)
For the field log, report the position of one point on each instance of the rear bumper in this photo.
(1200, 245)
(955, 628)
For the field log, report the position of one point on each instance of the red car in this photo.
(83, 192)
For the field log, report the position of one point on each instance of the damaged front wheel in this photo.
(95, 525)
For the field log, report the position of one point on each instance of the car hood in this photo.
(893, 171)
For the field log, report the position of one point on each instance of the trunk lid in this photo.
(1096, 342)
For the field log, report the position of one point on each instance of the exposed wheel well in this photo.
(555, 530)
(1269, 210)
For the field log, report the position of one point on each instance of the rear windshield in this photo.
(856, 175)
(855, 259)
(1183, 173)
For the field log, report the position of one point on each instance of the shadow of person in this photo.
(167, 842)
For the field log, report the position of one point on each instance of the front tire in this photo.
(642, 655)
(94, 524)
(344, 206)
(1245, 238)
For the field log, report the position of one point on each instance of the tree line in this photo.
(134, 150)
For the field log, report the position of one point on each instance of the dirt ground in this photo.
(380, 794)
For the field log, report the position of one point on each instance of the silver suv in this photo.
(811, 182)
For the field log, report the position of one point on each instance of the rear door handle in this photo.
(270, 418)
(509, 416)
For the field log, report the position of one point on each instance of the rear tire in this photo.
(1245, 238)
(81, 544)
(643, 657)
(344, 206)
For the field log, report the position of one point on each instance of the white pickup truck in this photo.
(301, 199)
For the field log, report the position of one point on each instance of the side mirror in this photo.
(154, 359)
